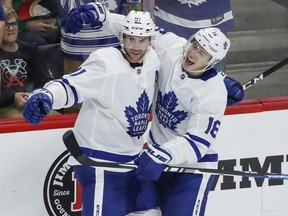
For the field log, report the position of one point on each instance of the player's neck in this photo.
(196, 73)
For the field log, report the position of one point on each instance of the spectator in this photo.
(38, 22)
(2, 23)
(21, 69)
(184, 18)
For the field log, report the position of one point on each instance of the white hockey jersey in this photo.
(117, 98)
(188, 111)
(78, 46)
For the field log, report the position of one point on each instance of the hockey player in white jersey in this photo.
(116, 86)
(189, 105)
(188, 109)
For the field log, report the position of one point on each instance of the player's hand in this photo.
(37, 106)
(235, 91)
(92, 14)
(151, 162)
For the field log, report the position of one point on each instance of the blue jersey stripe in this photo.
(199, 139)
(195, 148)
(92, 41)
(209, 158)
(108, 155)
(65, 90)
(72, 89)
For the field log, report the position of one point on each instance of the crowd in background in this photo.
(36, 27)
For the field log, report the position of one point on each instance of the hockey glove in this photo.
(92, 14)
(151, 162)
(37, 106)
(235, 91)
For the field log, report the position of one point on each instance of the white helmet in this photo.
(214, 41)
(138, 23)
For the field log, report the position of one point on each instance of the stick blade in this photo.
(69, 139)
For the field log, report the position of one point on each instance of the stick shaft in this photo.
(75, 150)
(266, 73)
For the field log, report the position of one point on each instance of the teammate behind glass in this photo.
(116, 86)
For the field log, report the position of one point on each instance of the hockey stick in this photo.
(75, 150)
(261, 76)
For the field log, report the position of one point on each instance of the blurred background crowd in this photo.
(34, 48)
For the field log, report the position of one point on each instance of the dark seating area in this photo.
(52, 55)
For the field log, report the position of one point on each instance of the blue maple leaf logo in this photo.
(138, 118)
(166, 111)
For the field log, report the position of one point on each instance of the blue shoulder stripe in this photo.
(72, 89)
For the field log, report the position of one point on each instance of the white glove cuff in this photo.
(100, 11)
(43, 91)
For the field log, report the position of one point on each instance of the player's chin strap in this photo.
(75, 150)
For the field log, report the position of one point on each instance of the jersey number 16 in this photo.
(213, 127)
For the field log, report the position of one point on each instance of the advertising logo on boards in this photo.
(62, 192)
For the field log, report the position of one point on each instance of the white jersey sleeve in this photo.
(113, 23)
(81, 84)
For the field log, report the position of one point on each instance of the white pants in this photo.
(150, 212)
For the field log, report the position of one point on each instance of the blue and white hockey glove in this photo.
(234, 89)
(93, 14)
(37, 106)
(151, 162)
